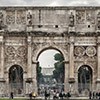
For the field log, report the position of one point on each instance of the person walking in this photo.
(11, 95)
(30, 95)
(90, 95)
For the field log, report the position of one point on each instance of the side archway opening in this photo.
(85, 78)
(16, 79)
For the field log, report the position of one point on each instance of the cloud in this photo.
(12, 2)
(49, 2)
(84, 3)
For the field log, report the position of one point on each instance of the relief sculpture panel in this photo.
(21, 53)
(21, 17)
(79, 51)
(80, 17)
(15, 53)
(91, 51)
(10, 17)
(10, 53)
(90, 16)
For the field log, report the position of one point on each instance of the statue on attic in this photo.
(98, 21)
(1, 20)
(29, 19)
(71, 20)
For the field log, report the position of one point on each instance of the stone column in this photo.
(34, 75)
(71, 60)
(98, 63)
(7, 87)
(24, 82)
(66, 85)
(2, 57)
(29, 65)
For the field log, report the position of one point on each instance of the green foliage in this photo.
(58, 73)
(58, 57)
(39, 74)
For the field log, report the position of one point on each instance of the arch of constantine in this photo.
(27, 31)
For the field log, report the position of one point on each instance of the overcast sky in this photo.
(49, 2)
(46, 58)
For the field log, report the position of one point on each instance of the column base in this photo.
(2, 80)
(3, 85)
(98, 84)
(98, 81)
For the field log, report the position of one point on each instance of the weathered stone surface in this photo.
(74, 31)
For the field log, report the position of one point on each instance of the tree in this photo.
(39, 74)
(58, 73)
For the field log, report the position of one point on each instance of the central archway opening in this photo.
(50, 70)
(84, 78)
(16, 79)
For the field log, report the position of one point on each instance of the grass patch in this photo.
(13, 99)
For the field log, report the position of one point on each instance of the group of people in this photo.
(94, 95)
(61, 95)
(57, 95)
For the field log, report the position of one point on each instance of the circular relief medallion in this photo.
(91, 51)
(10, 50)
(21, 51)
(79, 51)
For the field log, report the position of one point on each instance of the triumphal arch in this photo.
(27, 31)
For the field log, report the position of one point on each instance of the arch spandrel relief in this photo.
(39, 50)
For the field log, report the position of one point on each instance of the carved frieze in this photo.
(21, 17)
(79, 51)
(10, 17)
(85, 41)
(80, 16)
(91, 51)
